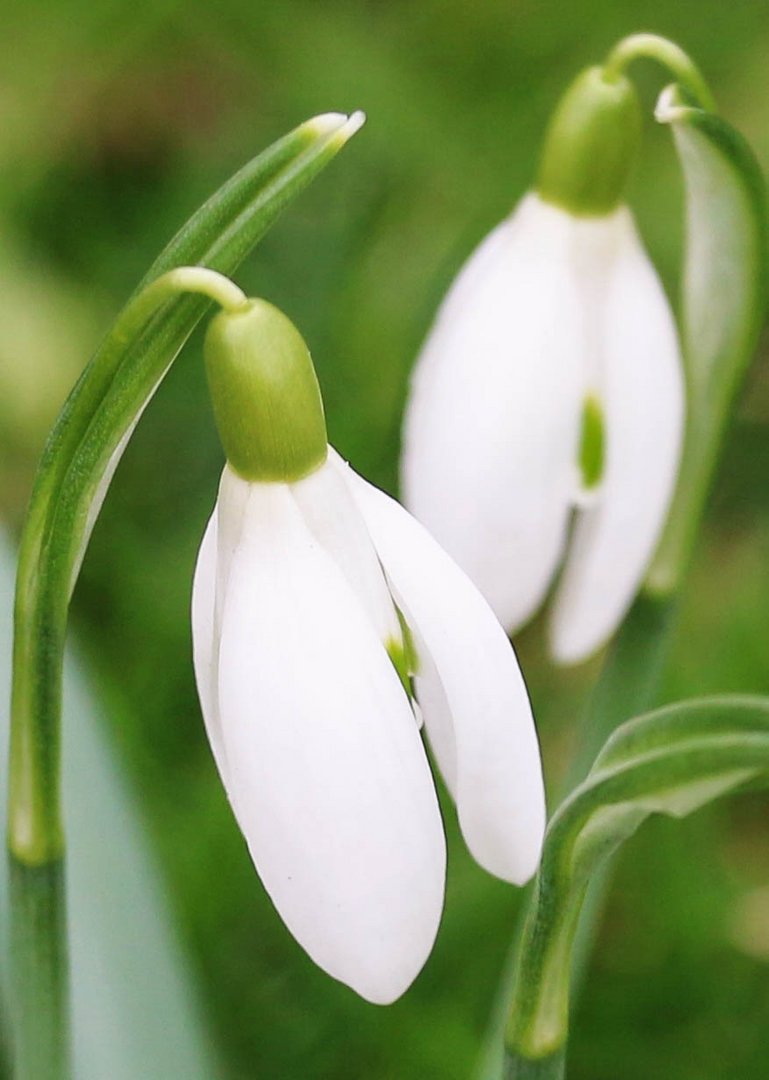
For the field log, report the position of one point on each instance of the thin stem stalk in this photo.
(39, 950)
(667, 53)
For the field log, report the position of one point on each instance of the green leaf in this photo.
(671, 761)
(723, 303)
(675, 724)
(134, 1007)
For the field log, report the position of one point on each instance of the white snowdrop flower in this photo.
(320, 610)
(546, 414)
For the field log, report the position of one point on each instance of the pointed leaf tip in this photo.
(355, 122)
(669, 105)
(336, 124)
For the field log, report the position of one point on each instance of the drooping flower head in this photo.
(546, 414)
(326, 624)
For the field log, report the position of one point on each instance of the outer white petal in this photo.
(335, 521)
(205, 645)
(474, 700)
(330, 782)
(209, 588)
(643, 396)
(492, 425)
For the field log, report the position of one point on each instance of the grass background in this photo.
(116, 121)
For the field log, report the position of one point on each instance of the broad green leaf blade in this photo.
(723, 303)
(135, 1010)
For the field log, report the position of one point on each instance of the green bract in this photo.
(723, 303)
(265, 394)
(591, 144)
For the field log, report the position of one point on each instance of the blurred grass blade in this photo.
(134, 1008)
(672, 762)
(723, 304)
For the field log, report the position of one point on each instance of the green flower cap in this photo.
(591, 144)
(265, 394)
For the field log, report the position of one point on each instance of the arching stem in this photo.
(667, 53)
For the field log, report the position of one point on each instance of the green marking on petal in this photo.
(592, 450)
(403, 654)
(412, 656)
(398, 654)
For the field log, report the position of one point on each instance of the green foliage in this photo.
(672, 761)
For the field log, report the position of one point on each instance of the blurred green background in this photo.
(116, 120)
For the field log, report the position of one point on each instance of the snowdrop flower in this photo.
(546, 413)
(326, 623)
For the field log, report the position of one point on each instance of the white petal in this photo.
(337, 524)
(492, 425)
(474, 700)
(205, 645)
(209, 587)
(643, 396)
(331, 784)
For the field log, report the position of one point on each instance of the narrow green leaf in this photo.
(664, 727)
(723, 303)
(671, 761)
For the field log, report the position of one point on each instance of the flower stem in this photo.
(39, 965)
(77, 465)
(630, 678)
(667, 53)
(552, 1067)
(49, 561)
(628, 685)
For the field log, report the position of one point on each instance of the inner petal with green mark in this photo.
(403, 654)
(592, 448)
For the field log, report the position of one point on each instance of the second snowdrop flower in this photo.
(551, 383)
(326, 623)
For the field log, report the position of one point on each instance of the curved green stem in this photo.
(667, 53)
